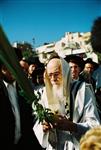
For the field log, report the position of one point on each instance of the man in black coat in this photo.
(16, 120)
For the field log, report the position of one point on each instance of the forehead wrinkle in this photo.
(54, 65)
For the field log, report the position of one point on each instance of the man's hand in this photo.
(63, 123)
(46, 126)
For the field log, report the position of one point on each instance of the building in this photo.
(72, 43)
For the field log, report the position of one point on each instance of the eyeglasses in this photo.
(55, 74)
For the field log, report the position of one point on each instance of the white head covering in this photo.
(48, 96)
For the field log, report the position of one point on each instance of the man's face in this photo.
(75, 70)
(31, 69)
(7, 75)
(54, 71)
(24, 66)
(89, 68)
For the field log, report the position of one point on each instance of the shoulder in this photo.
(81, 87)
(2, 86)
(77, 84)
(90, 87)
(86, 87)
(80, 84)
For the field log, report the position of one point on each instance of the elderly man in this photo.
(72, 116)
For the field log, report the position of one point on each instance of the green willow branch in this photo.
(9, 58)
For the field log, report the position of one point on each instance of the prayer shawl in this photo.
(85, 115)
(49, 101)
(48, 96)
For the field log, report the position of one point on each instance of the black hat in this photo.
(33, 60)
(75, 59)
(90, 61)
(36, 61)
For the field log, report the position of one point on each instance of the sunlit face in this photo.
(31, 68)
(24, 66)
(54, 71)
(75, 70)
(88, 68)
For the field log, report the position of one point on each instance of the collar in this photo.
(6, 83)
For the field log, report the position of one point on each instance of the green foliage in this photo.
(43, 113)
(40, 112)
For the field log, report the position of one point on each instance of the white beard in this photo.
(58, 95)
(58, 92)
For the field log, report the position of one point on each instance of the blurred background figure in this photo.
(24, 64)
(87, 73)
(15, 113)
(36, 74)
(91, 140)
(96, 45)
(96, 35)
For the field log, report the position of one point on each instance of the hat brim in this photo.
(75, 59)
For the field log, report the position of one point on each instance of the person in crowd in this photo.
(35, 73)
(87, 73)
(91, 140)
(35, 70)
(76, 64)
(96, 35)
(31, 68)
(82, 70)
(97, 77)
(28, 70)
(32, 62)
(73, 116)
(96, 45)
(32, 76)
(16, 115)
(24, 64)
(87, 76)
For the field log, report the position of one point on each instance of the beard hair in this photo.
(59, 96)
(58, 92)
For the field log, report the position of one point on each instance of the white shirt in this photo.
(15, 108)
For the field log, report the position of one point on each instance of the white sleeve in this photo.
(90, 117)
(41, 136)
